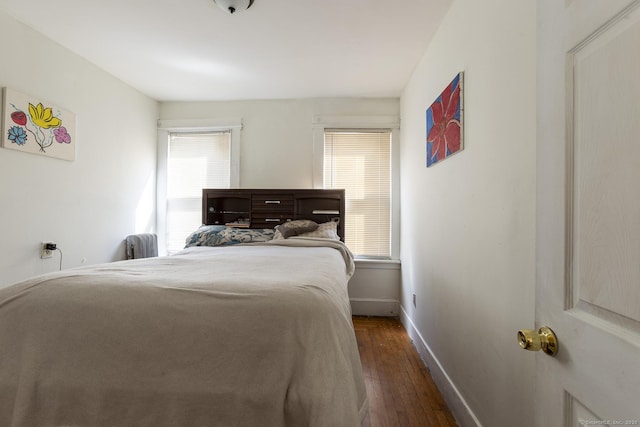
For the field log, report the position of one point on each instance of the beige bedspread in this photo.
(251, 335)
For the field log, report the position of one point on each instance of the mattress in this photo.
(247, 335)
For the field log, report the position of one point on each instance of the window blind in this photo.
(196, 161)
(360, 162)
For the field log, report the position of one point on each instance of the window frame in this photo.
(364, 123)
(165, 129)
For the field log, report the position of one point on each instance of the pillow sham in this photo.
(220, 235)
(295, 228)
(326, 230)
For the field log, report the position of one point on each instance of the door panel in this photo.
(605, 244)
(588, 211)
(578, 414)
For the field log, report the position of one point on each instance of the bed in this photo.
(253, 332)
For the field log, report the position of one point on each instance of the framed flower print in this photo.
(444, 123)
(34, 126)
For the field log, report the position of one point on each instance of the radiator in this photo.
(143, 245)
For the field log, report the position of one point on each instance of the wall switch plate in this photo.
(44, 252)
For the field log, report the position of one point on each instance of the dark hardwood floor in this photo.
(400, 389)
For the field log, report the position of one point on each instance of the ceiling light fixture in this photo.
(231, 6)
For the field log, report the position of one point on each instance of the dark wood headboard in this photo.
(259, 208)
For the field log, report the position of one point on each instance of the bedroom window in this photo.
(360, 162)
(196, 160)
(192, 154)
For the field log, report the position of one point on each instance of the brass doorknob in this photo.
(544, 339)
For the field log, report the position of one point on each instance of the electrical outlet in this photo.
(45, 251)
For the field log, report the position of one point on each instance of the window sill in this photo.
(378, 264)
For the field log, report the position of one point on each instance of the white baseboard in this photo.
(456, 403)
(375, 307)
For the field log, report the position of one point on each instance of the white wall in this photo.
(468, 223)
(89, 205)
(277, 152)
(374, 289)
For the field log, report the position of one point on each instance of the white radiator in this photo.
(143, 245)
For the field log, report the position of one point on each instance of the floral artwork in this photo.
(444, 123)
(38, 127)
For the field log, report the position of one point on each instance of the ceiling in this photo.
(190, 50)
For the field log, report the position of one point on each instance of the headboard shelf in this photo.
(267, 208)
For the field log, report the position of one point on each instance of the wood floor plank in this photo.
(400, 389)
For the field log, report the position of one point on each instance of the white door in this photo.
(588, 212)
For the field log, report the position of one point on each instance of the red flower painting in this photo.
(444, 123)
